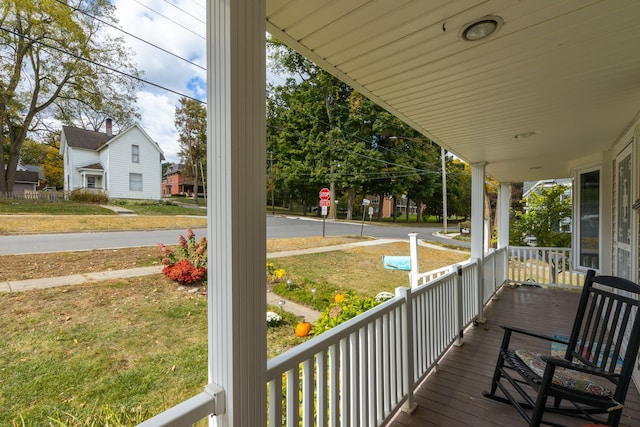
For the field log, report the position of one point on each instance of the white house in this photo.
(125, 166)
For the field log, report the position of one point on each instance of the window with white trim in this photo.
(135, 153)
(587, 224)
(135, 182)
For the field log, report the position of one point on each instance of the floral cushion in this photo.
(563, 377)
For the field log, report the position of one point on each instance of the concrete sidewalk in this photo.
(272, 299)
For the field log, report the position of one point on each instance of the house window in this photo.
(135, 182)
(91, 182)
(587, 236)
(135, 153)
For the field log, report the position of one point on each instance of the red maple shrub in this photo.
(187, 264)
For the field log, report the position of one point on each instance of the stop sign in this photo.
(325, 194)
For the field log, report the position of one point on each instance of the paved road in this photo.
(277, 227)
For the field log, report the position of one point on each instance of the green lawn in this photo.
(114, 353)
(16, 207)
(62, 207)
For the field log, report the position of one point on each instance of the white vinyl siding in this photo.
(78, 158)
(116, 159)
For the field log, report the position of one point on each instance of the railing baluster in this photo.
(354, 356)
(334, 381)
(345, 383)
(386, 363)
(275, 401)
(363, 373)
(293, 405)
(307, 392)
(372, 406)
(379, 368)
(321, 389)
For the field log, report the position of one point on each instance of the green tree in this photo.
(191, 122)
(543, 217)
(32, 153)
(321, 132)
(50, 56)
(305, 117)
(47, 155)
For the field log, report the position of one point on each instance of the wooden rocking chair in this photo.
(595, 373)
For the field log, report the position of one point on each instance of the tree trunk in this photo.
(351, 195)
(394, 204)
(195, 185)
(406, 210)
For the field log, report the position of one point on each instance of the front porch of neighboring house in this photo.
(92, 177)
(365, 371)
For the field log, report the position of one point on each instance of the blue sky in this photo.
(178, 27)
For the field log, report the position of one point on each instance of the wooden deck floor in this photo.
(452, 396)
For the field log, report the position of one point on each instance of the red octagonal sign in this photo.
(325, 194)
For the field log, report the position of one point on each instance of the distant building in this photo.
(27, 180)
(125, 166)
(175, 183)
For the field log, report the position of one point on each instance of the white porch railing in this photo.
(532, 265)
(362, 371)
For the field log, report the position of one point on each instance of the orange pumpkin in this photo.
(339, 298)
(303, 329)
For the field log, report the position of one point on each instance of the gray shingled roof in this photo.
(25, 176)
(174, 168)
(97, 166)
(82, 138)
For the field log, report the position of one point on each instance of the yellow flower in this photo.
(339, 298)
(279, 273)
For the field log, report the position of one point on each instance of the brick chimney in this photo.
(109, 124)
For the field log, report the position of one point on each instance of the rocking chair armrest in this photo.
(532, 334)
(592, 370)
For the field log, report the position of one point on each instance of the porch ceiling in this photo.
(567, 70)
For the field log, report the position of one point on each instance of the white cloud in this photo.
(175, 26)
(158, 115)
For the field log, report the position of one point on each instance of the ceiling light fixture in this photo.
(523, 135)
(481, 28)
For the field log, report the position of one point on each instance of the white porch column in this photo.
(504, 205)
(236, 199)
(477, 228)
(477, 210)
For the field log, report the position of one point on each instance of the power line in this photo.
(171, 20)
(198, 4)
(100, 65)
(185, 12)
(131, 35)
(416, 170)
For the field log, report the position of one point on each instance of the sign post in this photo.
(325, 201)
(365, 202)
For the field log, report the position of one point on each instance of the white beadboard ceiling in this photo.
(567, 70)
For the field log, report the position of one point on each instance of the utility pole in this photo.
(272, 184)
(444, 191)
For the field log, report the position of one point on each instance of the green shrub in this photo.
(337, 313)
(83, 195)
